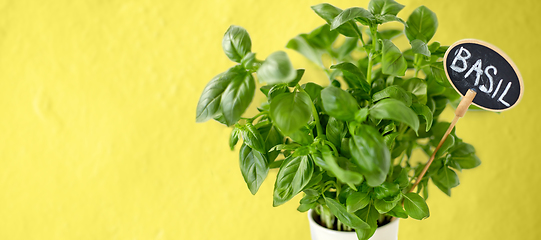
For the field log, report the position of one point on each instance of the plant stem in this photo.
(373, 30)
(416, 64)
(315, 114)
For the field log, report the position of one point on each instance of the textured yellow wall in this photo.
(98, 138)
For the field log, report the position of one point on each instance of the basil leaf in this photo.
(302, 136)
(236, 43)
(370, 153)
(393, 109)
(383, 7)
(353, 74)
(438, 73)
(384, 206)
(398, 212)
(276, 69)
(286, 105)
(417, 87)
(466, 162)
(322, 37)
(253, 138)
(209, 103)
(447, 144)
(395, 92)
(420, 47)
(424, 111)
(335, 131)
(421, 24)
(293, 175)
(328, 12)
(349, 177)
(277, 90)
(302, 45)
(253, 166)
(237, 97)
(446, 177)
(339, 103)
(416, 206)
(300, 73)
(356, 201)
(370, 215)
(233, 138)
(360, 14)
(349, 219)
(392, 61)
(271, 137)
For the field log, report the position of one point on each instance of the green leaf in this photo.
(291, 111)
(420, 47)
(438, 73)
(392, 61)
(339, 103)
(208, 106)
(360, 14)
(322, 37)
(370, 153)
(389, 33)
(236, 43)
(271, 137)
(335, 131)
(237, 97)
(421, 24)
(349, 177)
(386, 189)
(293, 175)
(395, 92)
(370, 215)
(466, 162)
(306, 207)
(253, 166)
(344, 216)
(446, 177)
(233, 138)
(277, 90)
(463, 154)
(384, 206)
(417, 87)
(253, 138)
(398, 212)
(393, 109)
(300, 73)
(380, 19)
(302, 136)
(447, 144)
(356, 201)
(424, 111)
(276, 69)
(302, 45)
(416, 206)
(353, 74)
(328, 12)
(383, 7)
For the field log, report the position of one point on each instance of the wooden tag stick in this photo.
(460, 112)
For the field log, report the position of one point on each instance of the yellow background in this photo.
(98, 138)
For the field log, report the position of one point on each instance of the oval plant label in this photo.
(473, 64)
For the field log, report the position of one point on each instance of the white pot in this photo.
(318, 232)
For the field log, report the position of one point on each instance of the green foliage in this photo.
(346, 145)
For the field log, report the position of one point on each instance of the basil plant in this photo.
(347, 146)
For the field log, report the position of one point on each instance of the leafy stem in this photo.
(373, 31)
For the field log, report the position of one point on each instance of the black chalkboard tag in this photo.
(482, 67)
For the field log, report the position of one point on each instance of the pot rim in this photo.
(311, 212)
